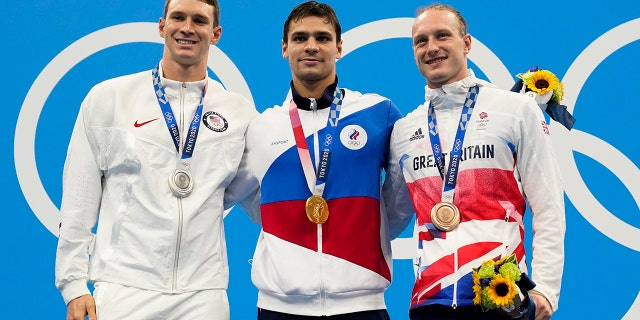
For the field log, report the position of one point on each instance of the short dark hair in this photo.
(444, 7)
(312, 9)
(213, 3)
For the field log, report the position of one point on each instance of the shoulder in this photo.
(218, 94)
(123, 82)
(414, 120)
(106, 95)
(217, 90)
(352, 96)
(417, 114)
(496, 93)
(271, 115)
(514, 108)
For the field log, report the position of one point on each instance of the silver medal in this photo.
(181, 183)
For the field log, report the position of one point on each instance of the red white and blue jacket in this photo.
(345, 264)
(507, 161)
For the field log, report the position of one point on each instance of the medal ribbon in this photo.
(303, 148)
(170, 119)
(451, 176)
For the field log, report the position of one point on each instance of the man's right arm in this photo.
(81, 196)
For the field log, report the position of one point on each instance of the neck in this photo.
(464, 73)
(312, 89)
(184, 73)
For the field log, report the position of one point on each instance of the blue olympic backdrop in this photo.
(55, 51)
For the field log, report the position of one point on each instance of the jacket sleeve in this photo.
(394, 190)
(245, 187)
(81, 196)
(541, 180)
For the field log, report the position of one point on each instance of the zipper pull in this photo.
(314, 104)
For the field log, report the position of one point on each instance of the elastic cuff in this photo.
(73, 290)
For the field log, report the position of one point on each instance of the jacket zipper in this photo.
(455, 266)
(180, 211)
(316, 148)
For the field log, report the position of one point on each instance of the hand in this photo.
(543, 307)
(80, 307)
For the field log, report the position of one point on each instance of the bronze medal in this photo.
(445, 216)
(317, 209)
(181, 183)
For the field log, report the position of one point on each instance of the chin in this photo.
(311, 77)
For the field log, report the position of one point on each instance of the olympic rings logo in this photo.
(457, 145)
(168, 116)
(327, 140)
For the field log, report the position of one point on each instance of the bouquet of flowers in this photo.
(547, 90)
(500, 285)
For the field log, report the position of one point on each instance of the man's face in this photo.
(188, 31)
(439, 49)
(312, 50)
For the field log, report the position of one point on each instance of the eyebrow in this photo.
(196, 15)
(315, 34)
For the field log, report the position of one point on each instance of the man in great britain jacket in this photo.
(477, 151)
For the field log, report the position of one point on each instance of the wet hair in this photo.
(462, 29)
(213, 3)
(312, 9)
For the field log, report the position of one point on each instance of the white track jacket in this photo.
(118, 164)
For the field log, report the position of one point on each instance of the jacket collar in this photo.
(304, 103)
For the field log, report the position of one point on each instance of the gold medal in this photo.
(317, 209)
(445, 216)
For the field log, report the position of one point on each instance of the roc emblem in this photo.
(215, 121)
(353, 137)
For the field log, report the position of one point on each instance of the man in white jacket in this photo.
(469, 156)
(148, 162)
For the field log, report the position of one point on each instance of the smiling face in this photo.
(312, 48)
(440, 47)
(188, 29)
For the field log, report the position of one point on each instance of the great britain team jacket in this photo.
(507, 161)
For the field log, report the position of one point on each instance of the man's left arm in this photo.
(395, 193)
(541, 180)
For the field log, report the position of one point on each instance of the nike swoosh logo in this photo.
(140, 124)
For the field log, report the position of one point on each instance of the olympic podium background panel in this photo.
(55, 51)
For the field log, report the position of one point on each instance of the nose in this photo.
(311, 46)
(432, 48)
(187, 26)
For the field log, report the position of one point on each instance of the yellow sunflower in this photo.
(542, 81)
(501, 261)
(501, 291)
(477, 289)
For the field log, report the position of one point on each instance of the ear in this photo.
(216, 34)
(339, 47)
(467, 43)
(161, 24)
(285, 53)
